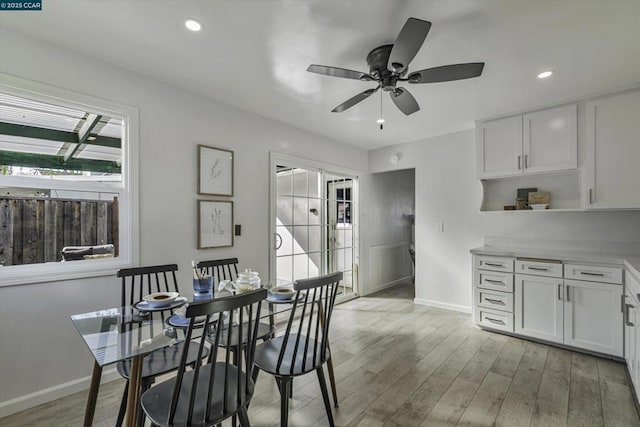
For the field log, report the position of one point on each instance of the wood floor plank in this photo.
(517, 407)
(585, 408)
(452, 405)
(553, 395)
(617, 404)
(484, 407)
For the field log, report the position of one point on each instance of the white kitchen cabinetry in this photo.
(593, 316)
(493, 292)
(550, 140)
(573, 304)
(541, 141)
(632, 331)
(612, 167)
(499, 145)
(538, 307)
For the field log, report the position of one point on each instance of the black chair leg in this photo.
(244, 418)
(284, 402)
(123, 405)
(325, 395)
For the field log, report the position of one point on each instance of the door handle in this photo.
(586, 273)
(526, 161)
(538, 268)
(519, 157)
(278, 241)
(568, 300)
(493, 264)
(494, 281)
(591, 196)
(626, 314)
(494, 301)
(499, 322)
(560, 291)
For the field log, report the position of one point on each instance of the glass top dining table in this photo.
(127, 333)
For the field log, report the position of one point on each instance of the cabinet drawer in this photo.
(592, 273)
(493, 263)
(494, 319)
(539, 268)
(493, 299)
(493, 280)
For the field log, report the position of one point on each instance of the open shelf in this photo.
(564, 189)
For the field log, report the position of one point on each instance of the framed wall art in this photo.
(215, 224)
(215, 171)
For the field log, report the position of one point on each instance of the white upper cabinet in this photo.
(550, 139)
(612, 167)
(499, 145)
(542, 141)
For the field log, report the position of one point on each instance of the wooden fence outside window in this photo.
(35, 229)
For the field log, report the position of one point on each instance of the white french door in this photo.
(313, 222)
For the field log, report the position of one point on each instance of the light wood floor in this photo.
(399, 364)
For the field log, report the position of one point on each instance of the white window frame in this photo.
(126, 189)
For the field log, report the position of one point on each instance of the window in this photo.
(67, 185)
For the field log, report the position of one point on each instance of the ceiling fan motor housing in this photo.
(377, 60)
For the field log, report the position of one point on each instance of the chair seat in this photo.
(267, 354)
(264, 330)
(157, 400)
(162, 361)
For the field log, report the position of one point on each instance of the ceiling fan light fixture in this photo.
(545, 74)
(192, 25)
(380, 121)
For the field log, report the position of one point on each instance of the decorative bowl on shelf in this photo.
(539, 207)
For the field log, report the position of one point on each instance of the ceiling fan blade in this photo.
(408, 44)
(447, 73)
(353, 101)
(404, 101)
(339, 72)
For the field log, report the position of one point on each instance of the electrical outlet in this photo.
(439, 227)
(238, 230)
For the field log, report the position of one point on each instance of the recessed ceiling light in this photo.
(192, 25)
(545, 74)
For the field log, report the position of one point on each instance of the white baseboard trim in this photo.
(384, 286)
(39, 397)
(444, 305)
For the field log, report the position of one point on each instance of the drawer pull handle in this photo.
(628, 306)
(494, 301)
(586, 273)
(499, 322)
(494, 281)
(538, 268)
(493, 264)
(560, 291)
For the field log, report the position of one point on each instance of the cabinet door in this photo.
(630, 335)
(613, 152)
(593, 316)
(499, 145)
(550, 139)
(538, 307)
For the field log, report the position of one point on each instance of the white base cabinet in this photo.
(546, 302)
(538, 309)
(632, 331)
(593, 316)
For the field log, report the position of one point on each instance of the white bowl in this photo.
(282, 293)
(539, 207)
(160, 299)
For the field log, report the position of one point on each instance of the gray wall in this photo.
(39, 348)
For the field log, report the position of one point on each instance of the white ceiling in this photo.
(253, 54)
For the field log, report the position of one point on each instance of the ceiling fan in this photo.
(389, 64)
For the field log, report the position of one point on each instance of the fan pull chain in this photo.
(381, 120)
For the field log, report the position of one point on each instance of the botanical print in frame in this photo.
(215, 224)
(215, 171)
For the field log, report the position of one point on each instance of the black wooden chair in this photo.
(136, 283)
(211, 393)
(227, 269)
(304, 347)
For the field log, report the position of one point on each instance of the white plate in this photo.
(539, 207)
(145, 306)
